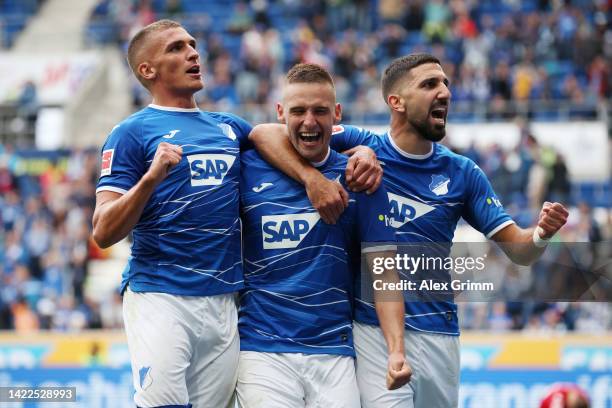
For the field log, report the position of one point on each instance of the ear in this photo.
(338, 114)
(147, 71)
(396, 103)
(280, 113)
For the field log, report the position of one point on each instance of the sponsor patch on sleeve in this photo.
(107, 162)
(337, 129)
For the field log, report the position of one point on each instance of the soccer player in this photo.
(430, 189)
(170, 174)
(295, 311)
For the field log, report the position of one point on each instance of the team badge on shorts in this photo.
(145, 377)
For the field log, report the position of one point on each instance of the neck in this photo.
(407, 138)
(319, 160)
(186, 101)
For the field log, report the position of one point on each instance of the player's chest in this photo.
(210, 154)
(417, 197)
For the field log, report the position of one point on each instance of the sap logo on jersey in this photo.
(286, 231)
(404, 209)
(209, 169)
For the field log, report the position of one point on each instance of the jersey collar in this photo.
(410, 155)
(322, 162)
(173, 109)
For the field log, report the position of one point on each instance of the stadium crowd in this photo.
(504, 56)
(47, 203)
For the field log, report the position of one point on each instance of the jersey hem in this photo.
(278, 350)
(144, 288)
(411, 328)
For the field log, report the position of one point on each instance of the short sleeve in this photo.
(483, 210)
(123, 160)
(346, 137)
(372, 213)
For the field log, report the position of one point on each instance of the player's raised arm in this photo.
(116, 214)
(328, 198)
(363, 171)
(524, 246)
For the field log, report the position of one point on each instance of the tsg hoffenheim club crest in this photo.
(439, 184)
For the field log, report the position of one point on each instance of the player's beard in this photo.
(433, 133)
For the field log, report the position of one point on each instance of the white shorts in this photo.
(183, 349)
(434, 359)
(294, 380)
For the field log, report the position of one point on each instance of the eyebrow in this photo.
(435, 78)
(191, 42)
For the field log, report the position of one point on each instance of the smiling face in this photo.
(170, 63)
(310, 111)
(422, 97)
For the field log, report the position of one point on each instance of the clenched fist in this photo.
(399, 371)
(166, 157)
(552, 217)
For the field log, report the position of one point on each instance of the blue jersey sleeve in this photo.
(483, 210)
(123, 158)
(371, 213)
(346, 137)
(237, 127)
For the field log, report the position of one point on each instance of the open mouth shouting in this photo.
(438, 114)
(194, 71)
(309, 138)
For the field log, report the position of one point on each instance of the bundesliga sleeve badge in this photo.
(107, 162)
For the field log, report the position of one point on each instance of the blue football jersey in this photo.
(428, 194)
(298, 280)
(187, 241)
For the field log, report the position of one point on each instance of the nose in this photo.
(192, 54)
(309, 119)
(445, 93)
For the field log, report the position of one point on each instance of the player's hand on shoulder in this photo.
(363, 171)
(399, 371)
(552, 217)
(328, 197)
(166, 157)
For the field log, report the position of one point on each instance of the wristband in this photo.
(538, 241)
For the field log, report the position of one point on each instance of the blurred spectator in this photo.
(24, 319)
(260, 13)
(27, 104)
(174, 9)
(437, 15)
(241, 19)
(414, 17)
(537, 178)
(599, 78)
(558, 187)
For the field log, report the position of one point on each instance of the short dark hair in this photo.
(399, 67)
(308, 73)
(139, 39)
